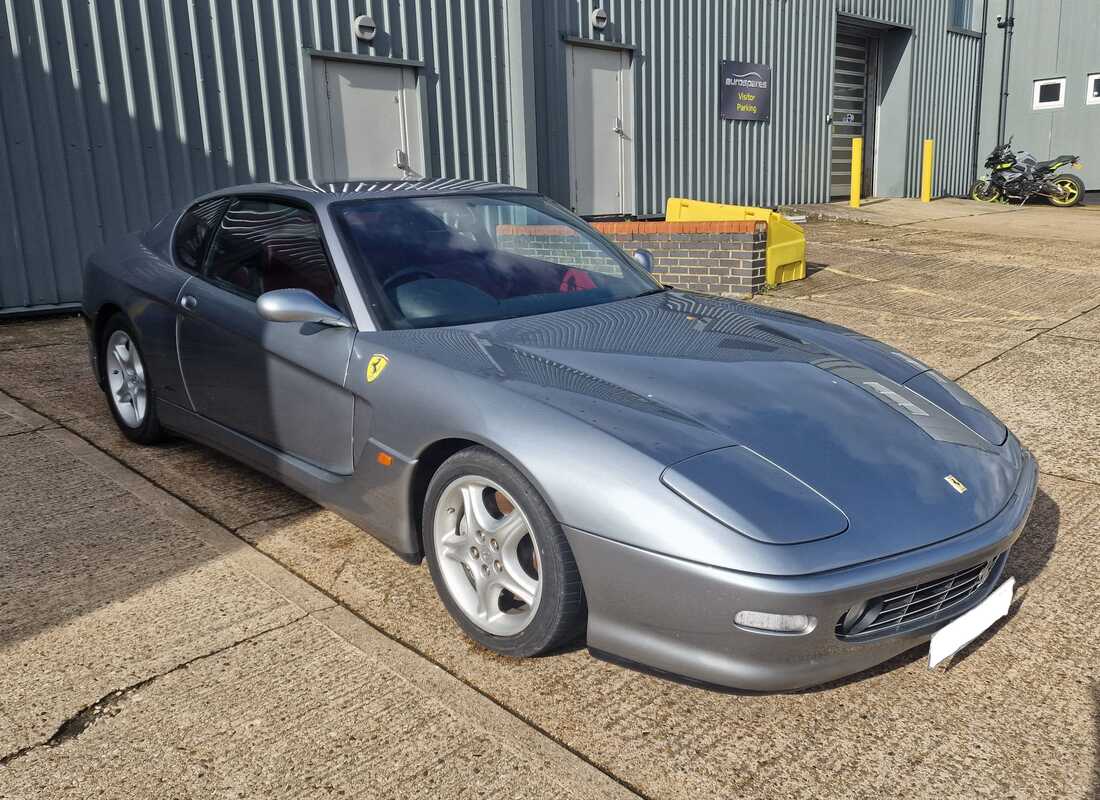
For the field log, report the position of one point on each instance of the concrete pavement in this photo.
(1036, 220)
(1016, 319)
(147, 652)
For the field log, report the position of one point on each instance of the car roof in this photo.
(320, 192)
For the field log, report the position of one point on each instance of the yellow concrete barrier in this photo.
(857, 171)
(926, 173)
(786, 248)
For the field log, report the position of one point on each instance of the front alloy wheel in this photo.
(487, 554)
(498, 558)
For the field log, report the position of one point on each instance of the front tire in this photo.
(985, 192)
(499, 559)
(1073, 189)
(127, 384)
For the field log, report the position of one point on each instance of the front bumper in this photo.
(676, 617)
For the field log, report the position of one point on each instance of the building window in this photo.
(1049, 94)
(963, 15)
(1092, 85)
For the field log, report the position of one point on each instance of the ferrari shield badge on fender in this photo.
(956, 484)
(375, 366)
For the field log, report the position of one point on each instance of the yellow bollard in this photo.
(857, 170)
(926, 173)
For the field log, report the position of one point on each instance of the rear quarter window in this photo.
(194, 230)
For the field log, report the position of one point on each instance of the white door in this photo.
(601, 131)
(367, 121)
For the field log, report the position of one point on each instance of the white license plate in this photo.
(958, 633)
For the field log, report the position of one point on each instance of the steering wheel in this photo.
(405, 276)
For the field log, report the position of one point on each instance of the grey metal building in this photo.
(1050, 58)
(112, 112)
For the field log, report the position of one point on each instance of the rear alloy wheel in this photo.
(498, 558)
(1073, 189)
(127, 385)
(985, 192)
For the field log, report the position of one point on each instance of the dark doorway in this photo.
(853, 111)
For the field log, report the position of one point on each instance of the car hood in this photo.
(676, 375)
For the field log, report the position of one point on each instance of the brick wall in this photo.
(714, 257)
(557, 243)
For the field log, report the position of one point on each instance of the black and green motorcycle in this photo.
(1017, 176)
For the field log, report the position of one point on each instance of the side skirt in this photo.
(346, 495)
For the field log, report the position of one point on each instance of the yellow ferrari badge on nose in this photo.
(955, 483)
(375, 366)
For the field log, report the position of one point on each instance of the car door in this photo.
(278, 383)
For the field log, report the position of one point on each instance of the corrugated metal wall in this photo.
(112, 112)
(684, 148)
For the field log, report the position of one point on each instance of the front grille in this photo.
(916, 606)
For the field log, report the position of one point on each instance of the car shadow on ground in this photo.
(1027, 559)
(1029, 556)
(1025, 562)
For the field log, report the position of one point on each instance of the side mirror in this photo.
(645, 258)
(299, 305)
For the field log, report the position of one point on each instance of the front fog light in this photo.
(775, 623)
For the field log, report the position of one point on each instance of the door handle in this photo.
(617, 126)
(189, 302)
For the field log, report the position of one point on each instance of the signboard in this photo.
(746, 90)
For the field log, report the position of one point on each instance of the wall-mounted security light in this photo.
(364, 28)
(598, 18)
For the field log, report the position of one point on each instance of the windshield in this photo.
(448, 260)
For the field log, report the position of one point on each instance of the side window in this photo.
(193, 232)
(964, 15)
(262, 245)
(1049, 94)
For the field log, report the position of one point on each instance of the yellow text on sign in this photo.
(375, 366)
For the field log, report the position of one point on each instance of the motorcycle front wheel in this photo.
(1072, 190)
(985, 192)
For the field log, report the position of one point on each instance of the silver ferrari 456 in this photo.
(704, 488)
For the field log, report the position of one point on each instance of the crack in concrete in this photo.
(115, 701)
(46, 427)
(339, 573)
(23, 347)
(1048, 331)
(1069, 478)
(260, 521)
(1085, 339)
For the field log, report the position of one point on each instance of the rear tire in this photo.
(499, 559)
(1073, 187)
(985, 192)
(127, 384)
